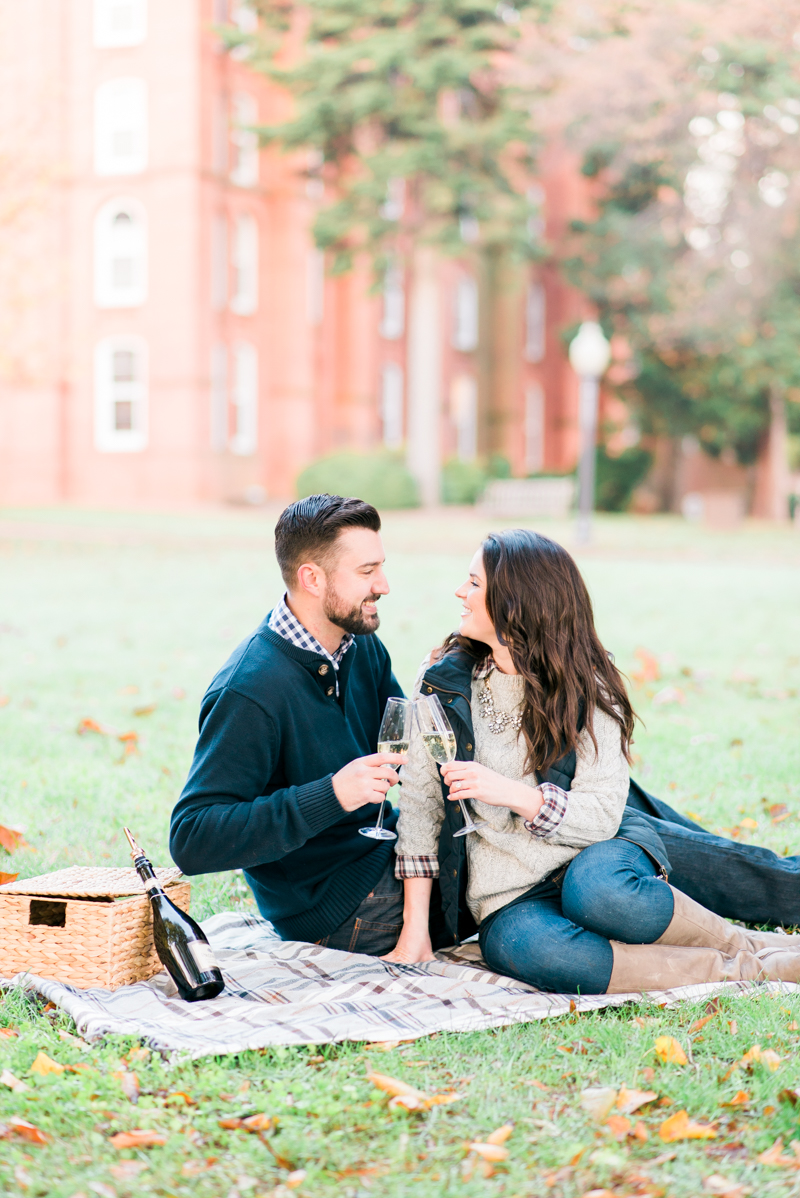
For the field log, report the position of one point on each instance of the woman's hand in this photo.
(469, 780)
(413, 946)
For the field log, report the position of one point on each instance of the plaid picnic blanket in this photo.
(286, 992)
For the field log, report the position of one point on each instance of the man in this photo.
(284, 772)
(284, 775)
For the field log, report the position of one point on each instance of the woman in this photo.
(569, 893)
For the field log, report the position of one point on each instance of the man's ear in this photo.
(311, 579)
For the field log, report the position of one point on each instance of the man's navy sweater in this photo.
(259, 794)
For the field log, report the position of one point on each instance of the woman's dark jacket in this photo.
(451, 679)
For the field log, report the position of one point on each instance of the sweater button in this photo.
(469, 747)
(455, 873)
(330, 690)
(322, 670)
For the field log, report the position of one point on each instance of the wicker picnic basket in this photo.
(83, 926)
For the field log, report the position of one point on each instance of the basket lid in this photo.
(88, 881)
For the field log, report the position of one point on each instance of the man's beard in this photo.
(350, 619)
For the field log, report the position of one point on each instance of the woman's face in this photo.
(475, 622)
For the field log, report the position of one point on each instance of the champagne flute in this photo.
(440, 741)
(393, 737)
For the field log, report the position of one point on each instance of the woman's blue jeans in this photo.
(556, 937)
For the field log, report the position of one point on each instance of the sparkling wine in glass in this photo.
(393, 737)
(440, 741)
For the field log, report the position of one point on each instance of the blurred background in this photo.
(254, 250)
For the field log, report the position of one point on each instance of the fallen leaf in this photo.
(771, 1060)
(648, 1073)
(669, 1051)
(101, 1189)
(393, 1086)
(702, 1022)
(8, 1033)
(793, 1026)
(740, 1098)
(723, 1187)
(148, 709)
(184, 1097)
(774, 1156)
(733, 1027)
(680, 1127)
(81, 1067)
(128, 1170)
(778, 812)
(87, 725)
(139, 1138)
(630, 1100)
(618, 1126)
(11, 839)
(131, 742)
(7, 1079)
(43, 1064)
(640, 1132)
(131, 689)
(661, 1159)
(668, 694)
(792, 1096)
(194, 1168)
(129, 1083)
(650, 671)
(599, 1194)
(769, 1110)
(27, 1131)
(749, 824)
(295, 1178)
(22, 1177)
(139, 1052)
(68, 1038)
(501, 1134)
(539, 1085)
(597, 1101)
(4, 878)
(489, 1152)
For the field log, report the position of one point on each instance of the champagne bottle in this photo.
(180, 942)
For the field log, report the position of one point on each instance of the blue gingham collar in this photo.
(283, 621)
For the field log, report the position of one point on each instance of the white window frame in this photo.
(111, 100)
(107, 393)
(535, 322)
(106, 35)
(219, 397)
(219, 261)
(244, 113)
(244, 399)
(465, 314)
(393, 317)
(113, 245)
(315, 286)
(464, 414)
(534, 428)
(392, 415)
(244, 301)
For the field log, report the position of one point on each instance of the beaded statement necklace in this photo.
(496, 721)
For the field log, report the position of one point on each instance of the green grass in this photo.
(93, 605)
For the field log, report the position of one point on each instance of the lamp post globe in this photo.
(589, 355)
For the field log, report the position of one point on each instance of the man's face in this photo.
(355, 582)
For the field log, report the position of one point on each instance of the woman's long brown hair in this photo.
(540, 608)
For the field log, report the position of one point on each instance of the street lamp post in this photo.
(589, 355)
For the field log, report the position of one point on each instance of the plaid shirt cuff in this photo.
(551, 812)
(416, 867)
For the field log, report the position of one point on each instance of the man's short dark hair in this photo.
(307, 531)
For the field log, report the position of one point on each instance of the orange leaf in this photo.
(501, 1134)
(45, 1064)
(539, 1085)
(258, 1122)
(7, 878)
(91, 726)
(640, 1132)
(127, 1170)
(138, 1138)
(8, 1033)
(230, 1124)
(770, 1059)
(27, 1131)
(618, 1126)
(11, 839)
(752, 1055)
(680, 1127)
(740, 1098)
(489, 1152)
(630, 1100)
(774, 1156)
(669, 1051)
(702, 1022)
(391, 1085)
(183, 1096)
(129, 1083)
(148, 709)
(80, 1068)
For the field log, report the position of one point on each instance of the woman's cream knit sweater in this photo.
(505, 859)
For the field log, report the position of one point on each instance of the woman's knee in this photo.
(551, 955)
(612, 889)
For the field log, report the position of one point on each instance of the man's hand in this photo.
(367, 779)
(469, 780)
(413, 946)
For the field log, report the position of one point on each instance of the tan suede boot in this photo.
(694, 925)
(661, 967)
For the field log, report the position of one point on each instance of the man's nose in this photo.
(380, 585)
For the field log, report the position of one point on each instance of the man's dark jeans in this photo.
(375, 925)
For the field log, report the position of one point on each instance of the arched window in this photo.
(244, 138)
(394, 304)
(534, 322)
(119, 22)
(392, 405)
(465, 324)
(244, 300)
(120, 255)
(120, 395)
(244, 440)
(464, 413)
(120, 127)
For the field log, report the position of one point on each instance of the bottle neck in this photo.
(148, 875)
